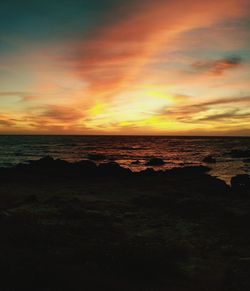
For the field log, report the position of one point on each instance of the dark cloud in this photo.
(217, 67)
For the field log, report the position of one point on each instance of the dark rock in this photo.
(148, 172)
(155, 162)
(246, 161)
(197, 180)
(96, 157)
(87, 167)
(209, 160)
(57, 167)
(112, 169)
(241, 184)
(190, 170)
(48, 160)
(48, 163)
(137, 162)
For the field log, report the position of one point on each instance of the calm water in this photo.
(176, 151)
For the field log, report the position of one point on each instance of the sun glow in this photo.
(154, 68)
(129, 107)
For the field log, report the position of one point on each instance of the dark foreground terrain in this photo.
(82, 227)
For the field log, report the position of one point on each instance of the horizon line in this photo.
(124, 135)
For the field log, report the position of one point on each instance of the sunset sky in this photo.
(125, 67)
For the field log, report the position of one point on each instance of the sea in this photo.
(178, 151)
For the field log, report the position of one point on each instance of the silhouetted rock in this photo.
(240, 153)
(56, 167)
(137, 162)
(48, 160)
(155, 162)
(48, 163)
(187, 171)
(121, 229)
(113, 169)
(241, 184)
(197, 180)
(86, 167)
(209, 160)
(96, 157)
(148, 172)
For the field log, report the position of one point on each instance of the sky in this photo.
(167, 67)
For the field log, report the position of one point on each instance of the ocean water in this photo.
(176, 151)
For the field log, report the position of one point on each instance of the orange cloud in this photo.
(115, 54)
(101, 80)
(6, 121)
(218, 67)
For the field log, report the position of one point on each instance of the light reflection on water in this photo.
(176, 151)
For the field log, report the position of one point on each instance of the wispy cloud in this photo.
(117, 72)
(7, 121)
(218, 67)
(61, 113)
(225, 108)
(114, 55)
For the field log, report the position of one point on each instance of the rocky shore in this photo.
(79, 226)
